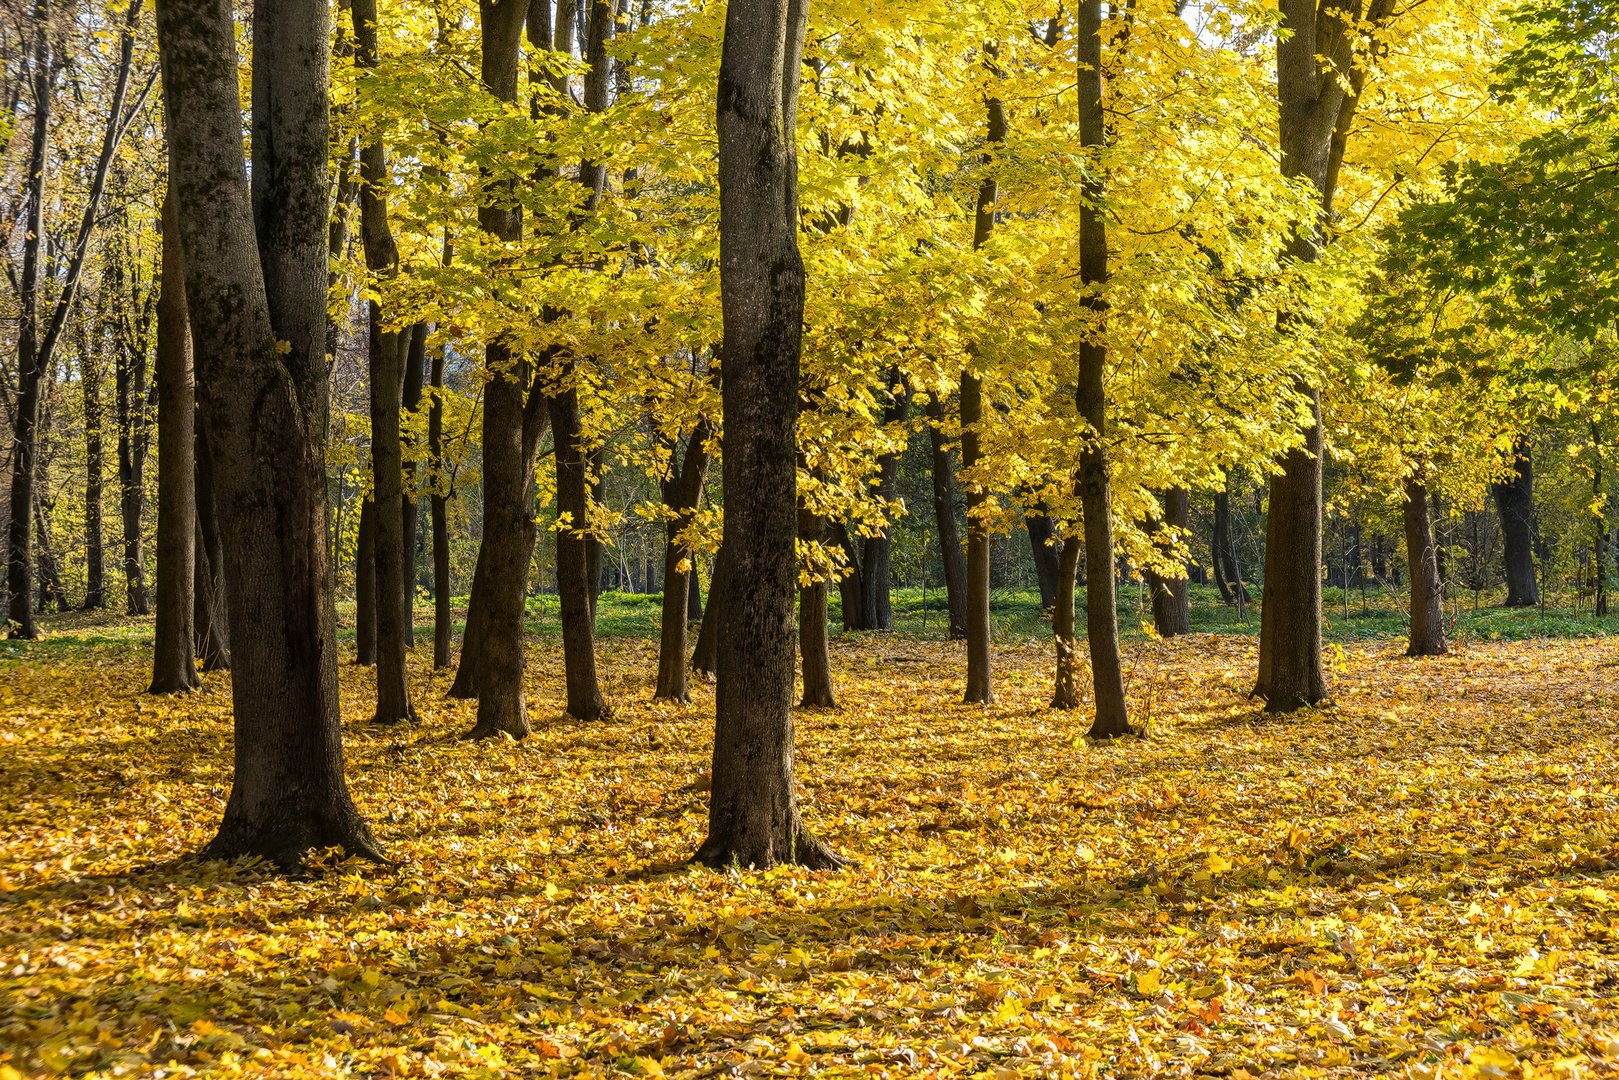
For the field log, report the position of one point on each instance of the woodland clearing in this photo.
(1415, 881)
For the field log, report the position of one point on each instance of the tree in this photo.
(753, 816)
(255, 274)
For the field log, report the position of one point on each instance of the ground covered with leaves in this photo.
(1417, 881)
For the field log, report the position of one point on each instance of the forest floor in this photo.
(1416, 881)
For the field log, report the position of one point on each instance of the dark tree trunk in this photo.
(1047, 556)
(95, 579)
(465, 684)
(851, 586)
(573, 568)
(944, 518)
(1599, 526)
(174, 649)
(439, 506)
(753, 818)
(258, 309)
(694, 597)
(679, 565)
(979, 689)
(705, 653)
(814, 647)
(387, 352)
(1515, 499)
(365, 585)
(1171, 601)
(1319, 81)
(1066, 693)
(1427, 592)
(1222, 554)
(876, 564)
(415, 362)
(210, 619)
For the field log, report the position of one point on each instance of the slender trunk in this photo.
(1066, 693)
(131, 381)
(1427, 609)
(465, 683)
(679, 566)
(507, 521)
(415, 363)
(440, 510)
(210, 618)
(815, 656)
(944, 517)
(753, 818)
(258, 312)
(573, 570)
(1047, 555)
(851, 586)
(705, 653)
(877, 609)
(365, 585)
(1599, 525)
(694, 596)
(95, 588)
(174, 650)
(1515, 499)
(1171, 600)
(1090, 398)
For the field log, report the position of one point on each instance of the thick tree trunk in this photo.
(1427, 591)
(753, 816)
(944, 518)
(705, 653)
(573, 569)
(365, 585)
(387, 352)
(1171, 600)
(507, 521)
(439, 506)
(174, 664)
(1515, 499)
(210, 618)
(1090, 398)
(1066, 693)
(415, 362)
(679, 566)
(258, 309)
(1047, 557)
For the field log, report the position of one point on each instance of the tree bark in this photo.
(814, 647)
(573, 568)
(1171, 599)
(1599, 527)
(851, 586)
(1047, 557)
(1515, 499)
(877, 607)
(95, 586)
(1090, 398)
(365, 584)
(753, 810)
(1066, 693)
(1427, 591)
(1226, 570)
(210, 619)
(387, 352)
(681, 497)
(174, 649)
(439, 509)
(415, 364)
(507, 520)
(258, 311)
(705, 653)
(944, 517)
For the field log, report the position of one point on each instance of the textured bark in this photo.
(210, 619)
(573, 569)
(753, 810)
(681, 496)
(415, 370)
(1171, 600)
(439, 509)
(174, 664)
(851, 586)
(365, 585)
(465, 683)
(944, 519)
(258, 312)
(95, 555)
(705, 653)
(1047, 556)
(387, 351)
(815, 656)
(1066, 693)
(1090, 398)
(507, 521)
(1515, 499)
(1427, 591)
(1227, 572)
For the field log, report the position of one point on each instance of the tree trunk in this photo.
(1066, 693)
(705, 653)
(387, 352)
(439, 505)
(1227, 573)
(1427, 592)
(415, 362)
(1171, 600)
(944, 517)
(815, 656)
(694, 596)
(1090, 398)
(174, 650)
(573, 570)
(1047, 556)
(877, 609)
(851, 586)
(679, 565)
(131, 380)
(1599, 526)
(210, 620)
(753, 810)
(1515, 499)
(465, 684)
(365, 584)
(95, 580)
(258, 311)
(507, 521)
